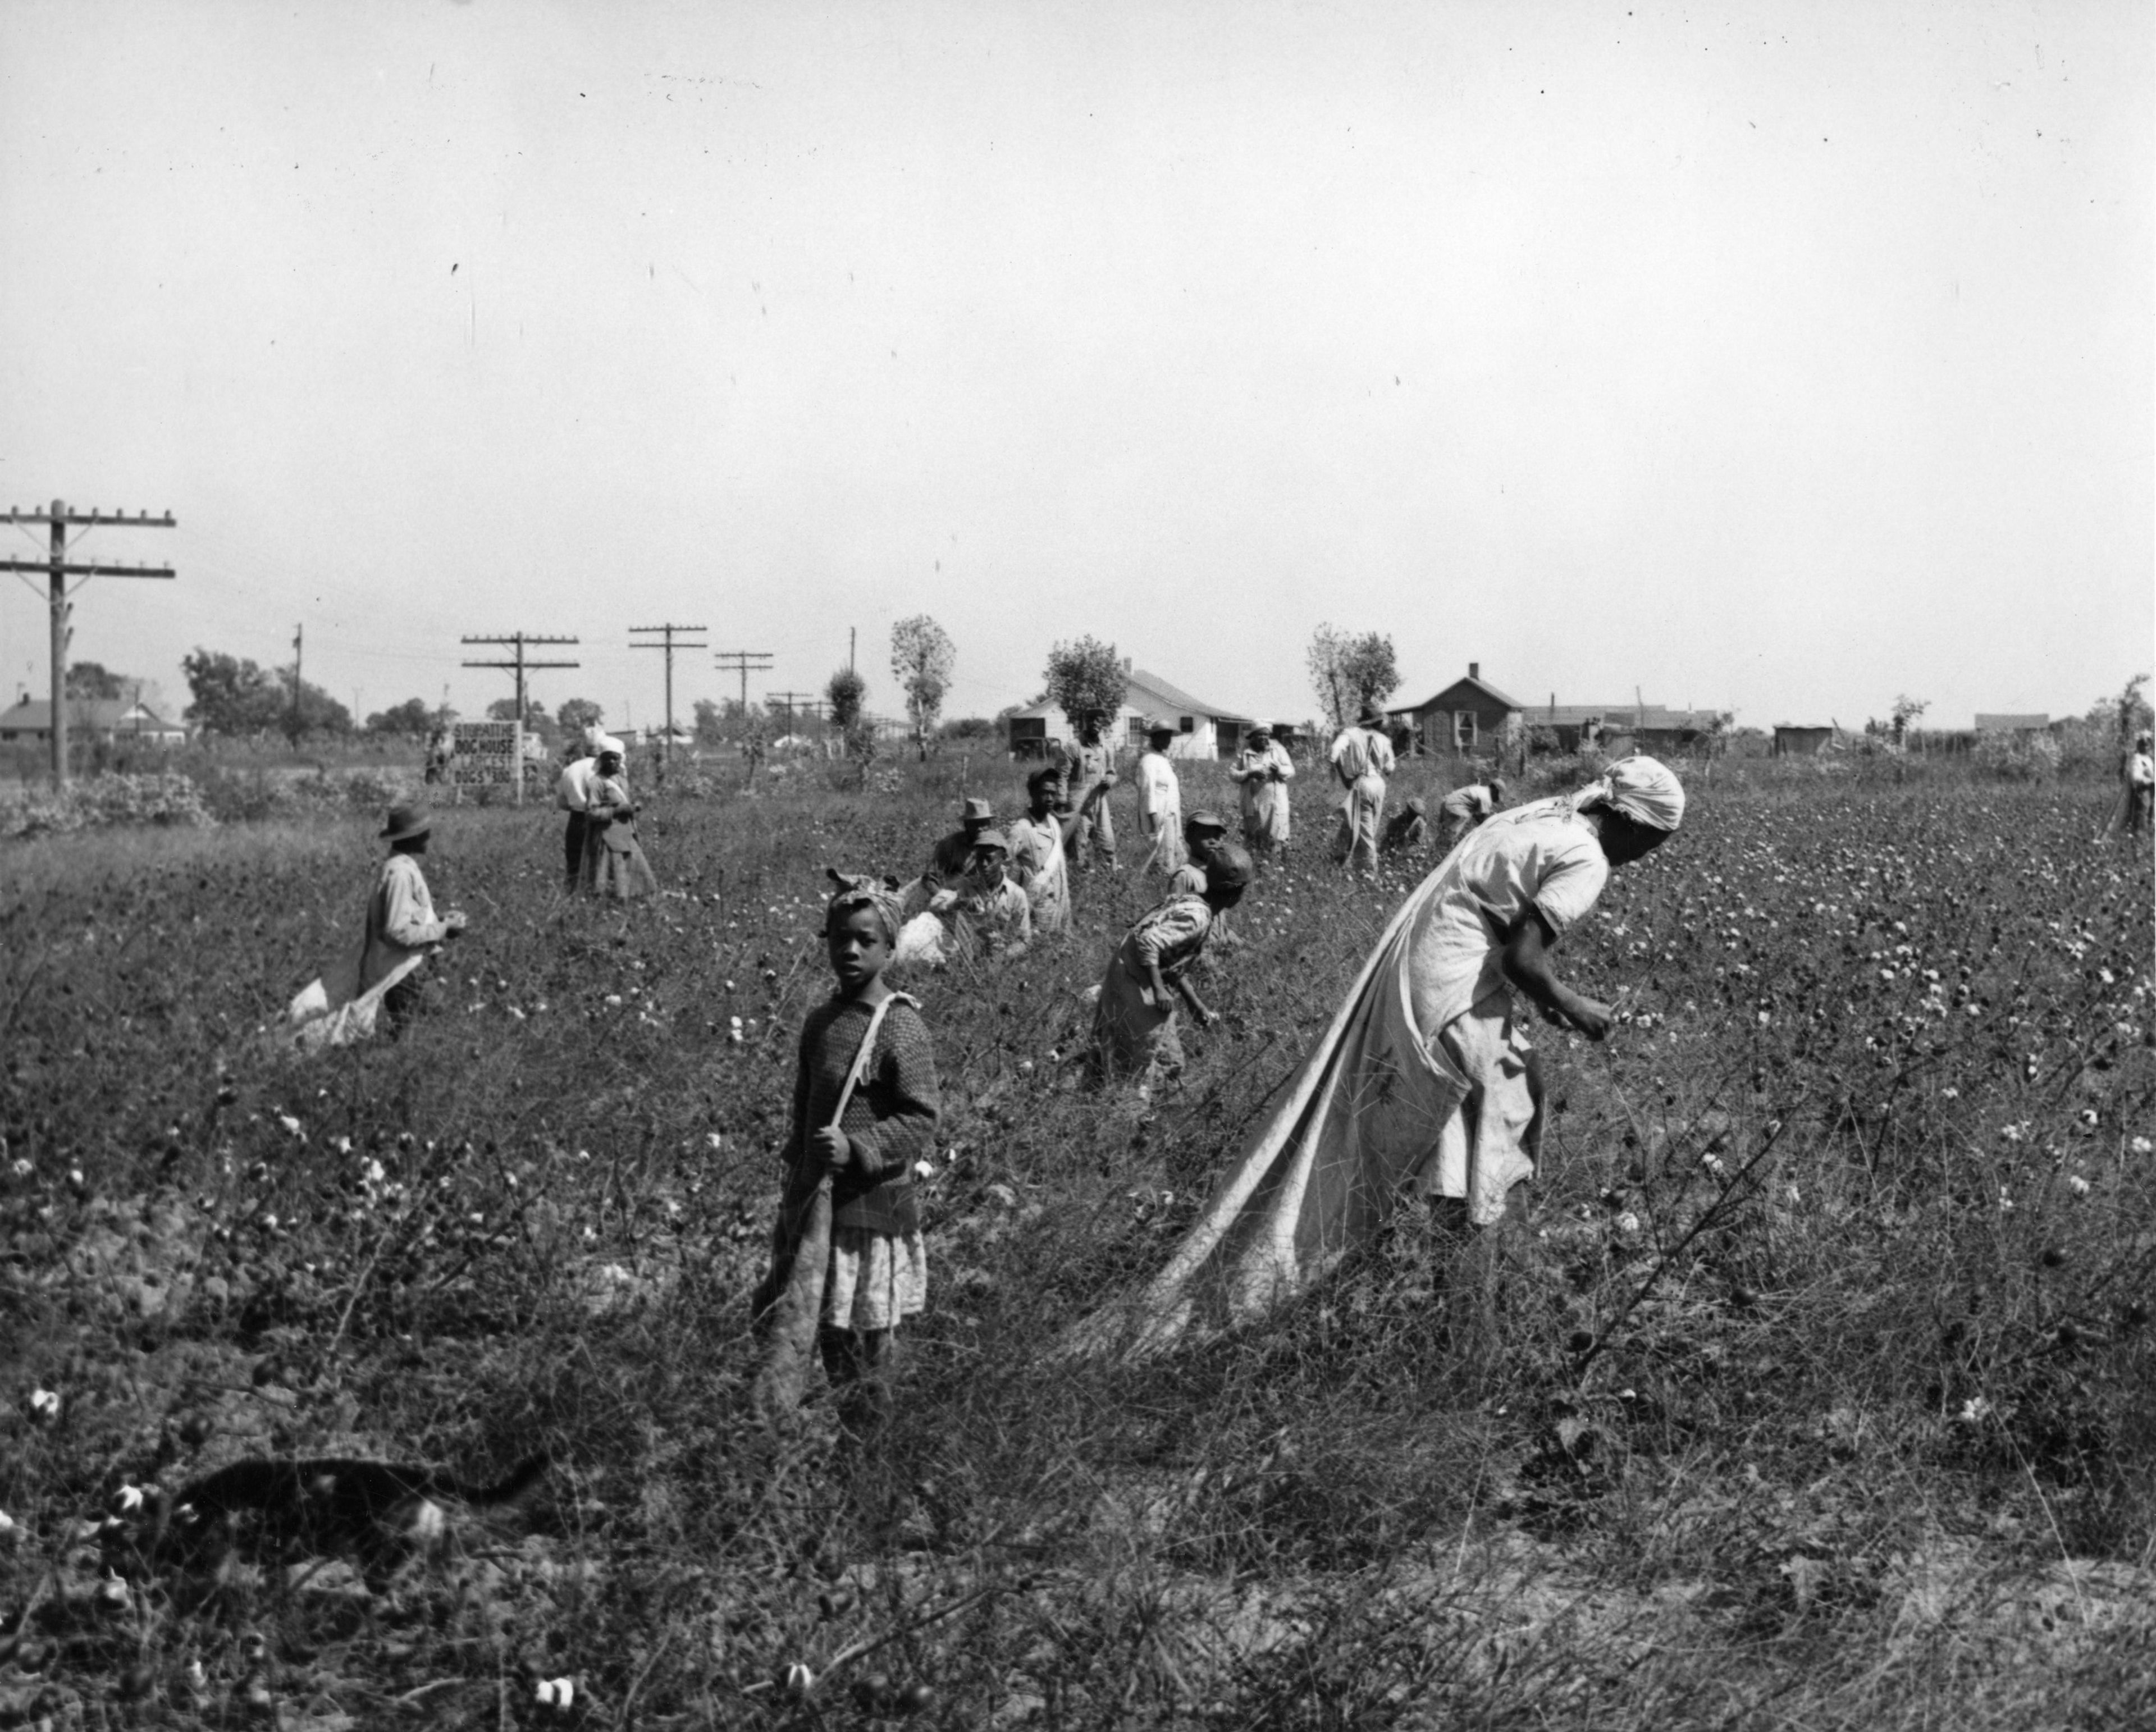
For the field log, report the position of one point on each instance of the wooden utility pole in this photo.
(520, 667)
(299, 661)
(57, 569)
(789, 699)
(740, 661)
(670, 646)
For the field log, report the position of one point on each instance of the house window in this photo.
(1189, 724)
(1463, 730)
(1135, 729)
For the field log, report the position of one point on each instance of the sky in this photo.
(1779, 358)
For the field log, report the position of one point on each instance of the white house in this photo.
(1202, 729)
(107, 719)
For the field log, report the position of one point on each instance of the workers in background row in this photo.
(1262, 770)
(1361, 758)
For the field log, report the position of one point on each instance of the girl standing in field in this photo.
(877, 1271)
(1134, 1031)
(1160, 802)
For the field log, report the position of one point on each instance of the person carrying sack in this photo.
(847, 1261)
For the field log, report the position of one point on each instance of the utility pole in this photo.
(740, 661)
(519, 641)
(789, 699)
(852, 632)
(57, 569)
(669, 647)
(299, 637)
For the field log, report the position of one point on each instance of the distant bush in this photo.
(103, 800)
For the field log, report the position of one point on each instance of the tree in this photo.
(231, 696)
(1906, 711)
(713, 724)
(411, 717)
(846, 692)
(1086, 678)
(577, 714)
(921, 658)
(308, 709)
(1348, 670)
(92, 679)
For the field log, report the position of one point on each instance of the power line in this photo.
(519, 666)
(740, 661)
(58, 569)
(669, 646)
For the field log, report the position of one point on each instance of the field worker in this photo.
(1424, 1076)
(1263, 770)
(951, 855)
(877, 1271)
(1040, 844)
(573, 794)
(1134, 1031)
(1160, 802)
(614, 858)
(2140, 785)
(1361, 758)
(400, 917)
(1096, 763)
(1465, 807)
(986, 910)
(1203, 832)
(1408, 828)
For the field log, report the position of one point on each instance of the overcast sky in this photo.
(1779, 358)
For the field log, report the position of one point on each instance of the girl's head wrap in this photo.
(1644, 790)
(865, 892)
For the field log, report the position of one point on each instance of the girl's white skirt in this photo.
(874, 1281)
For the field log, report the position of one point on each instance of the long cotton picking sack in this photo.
(789, 1331)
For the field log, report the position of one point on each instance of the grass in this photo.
(1814, 1389)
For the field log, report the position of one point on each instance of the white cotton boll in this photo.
(1628, 1223)
(128, 1500)
(290, 1125)
(44, 1405)
(924, 1169)
(2076, 1184)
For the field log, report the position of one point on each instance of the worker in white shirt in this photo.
(573, 794)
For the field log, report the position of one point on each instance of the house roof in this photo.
(1171, 697)
(2008, 723)
(1466, 685)
(1148, 694)
(35, 715)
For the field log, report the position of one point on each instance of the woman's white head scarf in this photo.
(1644, 790)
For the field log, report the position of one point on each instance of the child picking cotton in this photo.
(862, 1141)
(1134, 1019)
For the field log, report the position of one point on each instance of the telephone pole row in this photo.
(58, 569)
(669, 646)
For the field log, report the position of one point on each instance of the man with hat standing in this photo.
(1263, 770)
(401, 924)
(955, 852)
(1160, 800)
(573, 794)
(1362, 760)
(1096, 767)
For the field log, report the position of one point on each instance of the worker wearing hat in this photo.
(1361, 758)
(1263, 770)
(955, 851)
(1160, 800)
(401, 923)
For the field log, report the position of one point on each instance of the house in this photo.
(1804, 742)
(104, 718)
(2011, 724)
(1469, 714)
(1202, 729)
